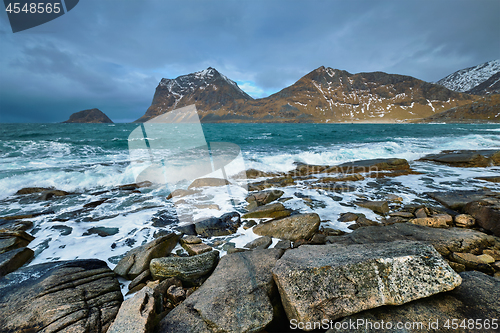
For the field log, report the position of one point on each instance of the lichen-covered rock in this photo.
(295, 227)
(187, 269)
(333, 281)
(436, 221)
(464, 221)
(137, 260)
(235, 298)
(476, 297)
(65, 296)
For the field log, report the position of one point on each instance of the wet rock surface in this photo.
(76, 296)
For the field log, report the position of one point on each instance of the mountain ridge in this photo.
(323, 95)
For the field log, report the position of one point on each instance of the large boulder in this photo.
(380, 207)
(70, 296)
(235, 298)
(274, 210)
(332, 281)
(264, 197)
(218, 226)
(204, 182)
(487, 215)
(137, 260)
(11, 240)
(188, 269)
(445, 241)
(295, 227)
(12, 260)
(137, 314)
(476, 298)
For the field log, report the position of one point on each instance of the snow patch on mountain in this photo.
(468, 78)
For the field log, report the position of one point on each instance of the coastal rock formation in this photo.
(137, 260)
(89, 116)
(476, 297)
(64, 296)
(365, 276)
(237, 297)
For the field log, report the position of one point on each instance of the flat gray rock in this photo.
(235, 298)
(332, 281)
(295, 227)
(445, 241)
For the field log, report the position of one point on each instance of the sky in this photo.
(111, 54)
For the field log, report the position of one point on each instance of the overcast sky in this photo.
(111, 54)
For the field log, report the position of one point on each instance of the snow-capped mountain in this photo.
(465, 80)
(323, 95)
(208, 88)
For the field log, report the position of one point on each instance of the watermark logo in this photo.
(171, 150)
(26, 14)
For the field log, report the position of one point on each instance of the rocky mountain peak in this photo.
(465, 80)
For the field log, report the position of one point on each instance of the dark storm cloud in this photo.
(111, 54)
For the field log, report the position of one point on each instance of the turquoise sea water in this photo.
(91, 160)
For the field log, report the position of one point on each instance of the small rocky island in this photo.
(90, 116)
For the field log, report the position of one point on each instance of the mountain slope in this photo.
(465, 80)
(323, 95)
(208, 88)
(485, 110)
(89, 116)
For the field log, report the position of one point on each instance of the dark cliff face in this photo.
(89, 116)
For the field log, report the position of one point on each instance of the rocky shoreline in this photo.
(426, 262)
